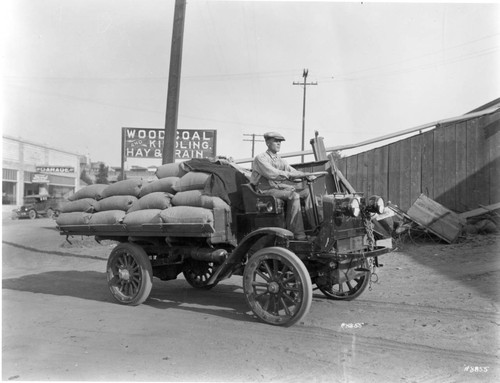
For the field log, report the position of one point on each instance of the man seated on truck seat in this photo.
(271, 176)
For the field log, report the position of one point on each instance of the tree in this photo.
(85, 178)
(102, 175)
(122, 176)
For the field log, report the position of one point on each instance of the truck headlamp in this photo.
(264, 207)
(350, 207)
(375, 205)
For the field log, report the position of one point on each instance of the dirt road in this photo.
(432, 317)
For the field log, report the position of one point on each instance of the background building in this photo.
(29, 168)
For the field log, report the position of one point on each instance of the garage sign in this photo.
(55, 169)
(148, 143)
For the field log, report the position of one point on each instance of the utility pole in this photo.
(253, 142)
(174, 82)
(304, 84)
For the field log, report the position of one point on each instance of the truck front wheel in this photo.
(277, 286)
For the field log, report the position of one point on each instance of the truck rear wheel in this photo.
(348, 290)
(197, 273)
(129, 274)
(277, 286)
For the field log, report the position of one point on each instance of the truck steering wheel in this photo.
(309, 177)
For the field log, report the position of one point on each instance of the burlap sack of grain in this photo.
(87, 205)
(161, 185)
(198, 199)
(116, 202)
(157, 200)
(124, 187)
(91, 191)
(73, 218)
(139, 217)
(108, 217)
(170, 170)
(191, 181)
(187, 214)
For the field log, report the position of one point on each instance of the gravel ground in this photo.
(432, 317)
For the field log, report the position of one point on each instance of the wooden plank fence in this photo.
(456, 164)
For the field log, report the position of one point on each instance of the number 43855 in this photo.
(476, 369)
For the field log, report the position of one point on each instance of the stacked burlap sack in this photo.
(177, 196)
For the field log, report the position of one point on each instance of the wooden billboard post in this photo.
(174, 81)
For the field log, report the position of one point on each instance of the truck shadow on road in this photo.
(224, 300)
(79, 284)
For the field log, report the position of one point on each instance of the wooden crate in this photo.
(436, 218)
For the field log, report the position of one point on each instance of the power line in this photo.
(358, 74)
(253, 142)
(445, 61)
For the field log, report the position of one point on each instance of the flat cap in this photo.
(275, 135)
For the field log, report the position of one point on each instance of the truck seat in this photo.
(256, 202)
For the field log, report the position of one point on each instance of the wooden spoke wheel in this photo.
(32, 214)
(50, 213)
(197, 273)
(277, 286)
(349, 289)
(129, 274)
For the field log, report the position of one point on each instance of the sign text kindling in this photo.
(148, 143)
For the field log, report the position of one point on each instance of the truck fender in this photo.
(244, 246)
(249, 240)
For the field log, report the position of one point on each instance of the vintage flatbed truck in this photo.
(278, 271)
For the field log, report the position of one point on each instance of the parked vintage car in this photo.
(38, 205)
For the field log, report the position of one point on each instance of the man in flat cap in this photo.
(271, 175)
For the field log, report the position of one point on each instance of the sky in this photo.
(74, 72)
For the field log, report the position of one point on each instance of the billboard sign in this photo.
(148, 143)
(38, 178)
